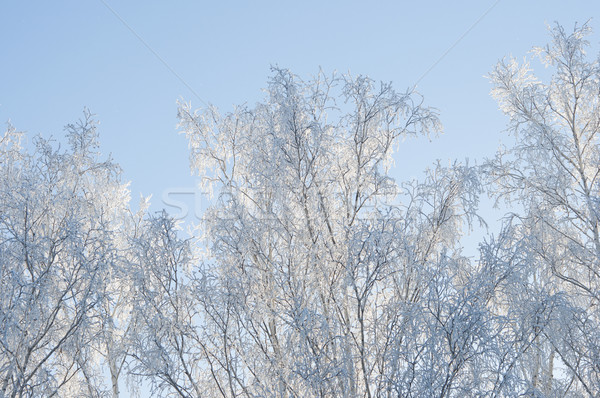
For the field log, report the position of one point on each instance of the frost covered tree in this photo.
(319, 281)
(166, 346)
(64, 225)
(551, 175)
(317, 275)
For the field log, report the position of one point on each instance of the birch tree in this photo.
(322, 282)
(167, 350)
(552, 174)
(60, 210)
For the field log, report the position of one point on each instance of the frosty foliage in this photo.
(552, 174)
(319, 275)
(59, 248)
(322, 282)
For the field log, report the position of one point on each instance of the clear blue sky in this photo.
(61, 56)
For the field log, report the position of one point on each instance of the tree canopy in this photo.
(317, 274)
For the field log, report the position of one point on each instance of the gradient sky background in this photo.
(61, 56)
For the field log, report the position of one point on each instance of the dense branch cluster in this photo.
(317, 274)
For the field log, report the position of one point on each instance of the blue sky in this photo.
(59, 57)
